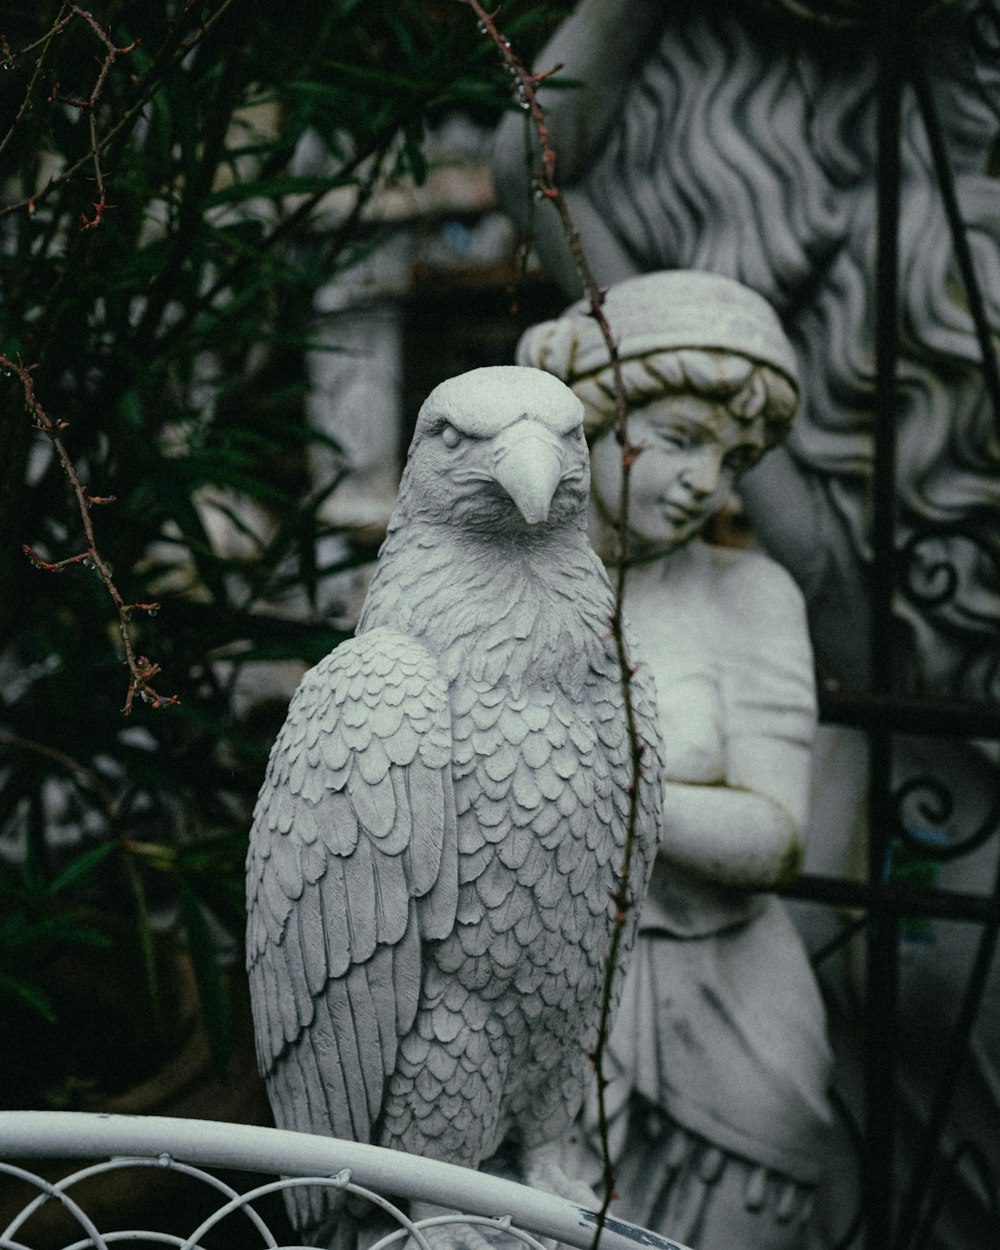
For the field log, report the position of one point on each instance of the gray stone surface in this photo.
(442, 824)
(719, 1054)
(706, 135)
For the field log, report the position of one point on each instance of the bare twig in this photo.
(525, 84)
(90, 104)
(9, 59)
(141, 669)
(98, 145)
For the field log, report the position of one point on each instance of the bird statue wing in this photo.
(352, 863)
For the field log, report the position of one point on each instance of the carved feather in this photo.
(437, 839)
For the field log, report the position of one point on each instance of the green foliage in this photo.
(34, 918)
(161, 241)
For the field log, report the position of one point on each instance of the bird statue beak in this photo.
(529, 466)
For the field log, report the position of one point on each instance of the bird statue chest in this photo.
(541, 765)
(541, 797)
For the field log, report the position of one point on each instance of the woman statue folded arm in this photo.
(720, 1049)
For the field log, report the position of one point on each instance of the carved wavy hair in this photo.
(738, 158)
(735, 155)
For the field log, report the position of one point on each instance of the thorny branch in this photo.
(90, 104)
(141, 669)
(7, 58)
(112, 53)
(144, 88)
(546, 187)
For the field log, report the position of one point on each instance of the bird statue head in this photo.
(497, 450)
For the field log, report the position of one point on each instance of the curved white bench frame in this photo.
(194, 1146)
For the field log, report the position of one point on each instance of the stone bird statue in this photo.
(439, 835)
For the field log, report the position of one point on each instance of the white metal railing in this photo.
(192, 1147)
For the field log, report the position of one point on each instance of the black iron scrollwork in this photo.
(925, 802)
(948, 582)
(931, 575)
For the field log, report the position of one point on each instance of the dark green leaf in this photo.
(212, 995)
(29, 993)
(274, 188)
(81, 866)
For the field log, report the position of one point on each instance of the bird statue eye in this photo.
(450, 436)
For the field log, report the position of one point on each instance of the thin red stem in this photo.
(144, 87)
(141, 669)
(525, 87)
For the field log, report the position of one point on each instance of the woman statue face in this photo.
(693, 451)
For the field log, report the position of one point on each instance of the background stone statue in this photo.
(735, 138)
(442, 824)
(715, 136)
(720, 1050)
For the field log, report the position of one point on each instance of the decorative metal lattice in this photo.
(925, 570)
(195, 1148)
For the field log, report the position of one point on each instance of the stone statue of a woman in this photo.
(741, 137)
(718, 136)
(719, 1106)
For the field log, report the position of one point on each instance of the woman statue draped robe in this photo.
(719, 1057)
(740, 137)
